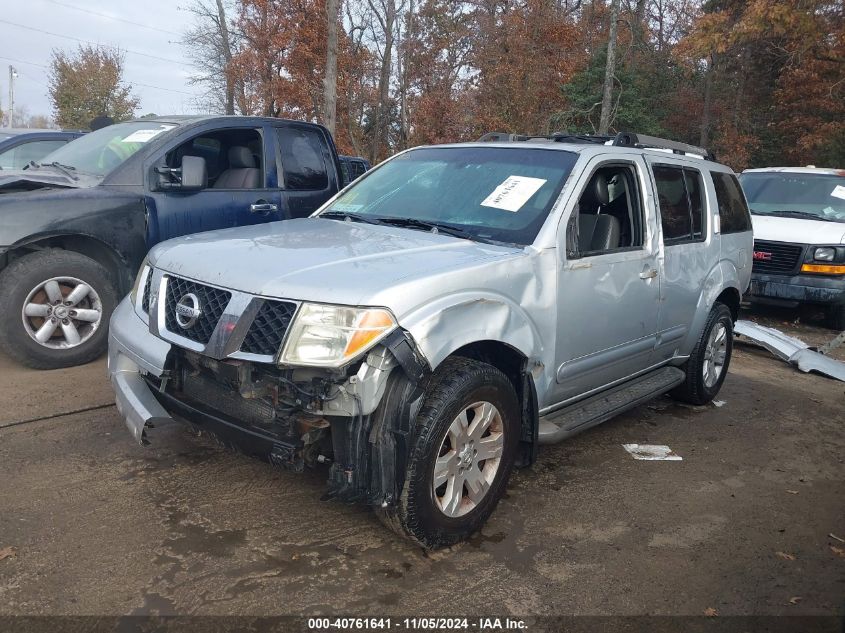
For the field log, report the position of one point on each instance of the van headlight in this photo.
(824, 254)
(331, 336)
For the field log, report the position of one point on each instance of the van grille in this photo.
(212, 303)
(776, 257)
(269, 327)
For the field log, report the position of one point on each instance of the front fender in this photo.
(447, 324)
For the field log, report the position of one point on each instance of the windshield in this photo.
(100, 152)
(785, 193)
(488, 193)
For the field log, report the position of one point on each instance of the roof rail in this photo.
(629, 139)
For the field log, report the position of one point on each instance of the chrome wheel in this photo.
(468, 459)
(715, 354)
(62, 312)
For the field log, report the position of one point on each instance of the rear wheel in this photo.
(836, 317)
(468, 432)
(708, 364)
(55, 310)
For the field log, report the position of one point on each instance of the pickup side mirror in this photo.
(191, 176)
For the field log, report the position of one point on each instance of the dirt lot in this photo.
(742, 525)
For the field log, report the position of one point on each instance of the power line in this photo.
(134, 83)
(112, 17)
(90, 43)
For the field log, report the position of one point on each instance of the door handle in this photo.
(651, 273)
(263, 207)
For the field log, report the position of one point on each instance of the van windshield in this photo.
(486, 193)
(98, 153)
(792, 194)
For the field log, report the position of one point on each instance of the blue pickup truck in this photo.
(75, 226)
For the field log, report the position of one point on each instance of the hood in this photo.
(15, 180)
(797, 230)
(327, 261)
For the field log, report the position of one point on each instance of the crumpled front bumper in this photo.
(133, 350)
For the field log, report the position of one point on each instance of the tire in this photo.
(424, 514)
(702, 384)
(38, 297)
(836, 317)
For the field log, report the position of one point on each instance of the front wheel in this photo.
(55, 309)
(468, 433)
(707, 366)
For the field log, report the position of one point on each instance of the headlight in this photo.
(330, 336)
(824, 254)
(133, 294)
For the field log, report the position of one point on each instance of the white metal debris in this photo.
(652, 452)
(792, 350)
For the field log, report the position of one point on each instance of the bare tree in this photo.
(211, 45)
(330, 79)
(385, 15)
(609, 70)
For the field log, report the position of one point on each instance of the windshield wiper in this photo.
(354, 217)
(435, 227)
(800, 214)
(67, 170)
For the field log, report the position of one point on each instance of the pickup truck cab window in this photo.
(488, 193)
(234, 158)
(302, 159)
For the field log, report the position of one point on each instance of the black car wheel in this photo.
(708, 364)
(55, 309)
(468, 432)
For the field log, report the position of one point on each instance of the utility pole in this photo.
(12, 74)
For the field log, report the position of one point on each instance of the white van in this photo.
(799, 237)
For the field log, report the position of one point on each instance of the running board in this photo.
(607, 404)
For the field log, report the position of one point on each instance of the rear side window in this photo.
(302, 159)
(733, 210)
(680, 195)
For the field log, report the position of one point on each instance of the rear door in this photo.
(689, 255)
(307, 166)
(242, 189)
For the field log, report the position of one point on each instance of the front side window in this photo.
(302, 159)
(500, 194)
(680, 196)
(792, 194)
(609, 213)
(733, 211)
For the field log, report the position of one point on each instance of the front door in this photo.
(608, 286)
(242, 185)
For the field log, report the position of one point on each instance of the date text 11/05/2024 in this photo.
(417, 624)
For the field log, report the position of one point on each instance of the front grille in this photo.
(212, 303)
(268, 329)
(145, 297)
(780, 257)
(214, 395)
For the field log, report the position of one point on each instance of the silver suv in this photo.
(439, 318)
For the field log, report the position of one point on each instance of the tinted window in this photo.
(302, 158)
(695, 190)
(674, 205)
(733, 211)
(496, 193)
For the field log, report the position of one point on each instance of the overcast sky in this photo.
(161, 85)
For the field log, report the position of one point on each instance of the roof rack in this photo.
(622, 139)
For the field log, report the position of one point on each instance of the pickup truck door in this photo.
(607, 297)
(308, 166)
(243, 184)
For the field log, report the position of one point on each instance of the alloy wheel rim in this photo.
(715, 354)
(62, 313)
(468, 459)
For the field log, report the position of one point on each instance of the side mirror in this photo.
(191, 176)
(194, 173)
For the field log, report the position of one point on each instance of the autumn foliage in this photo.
(760, 81)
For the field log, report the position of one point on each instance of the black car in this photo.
(75, 227)
(19, 147)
